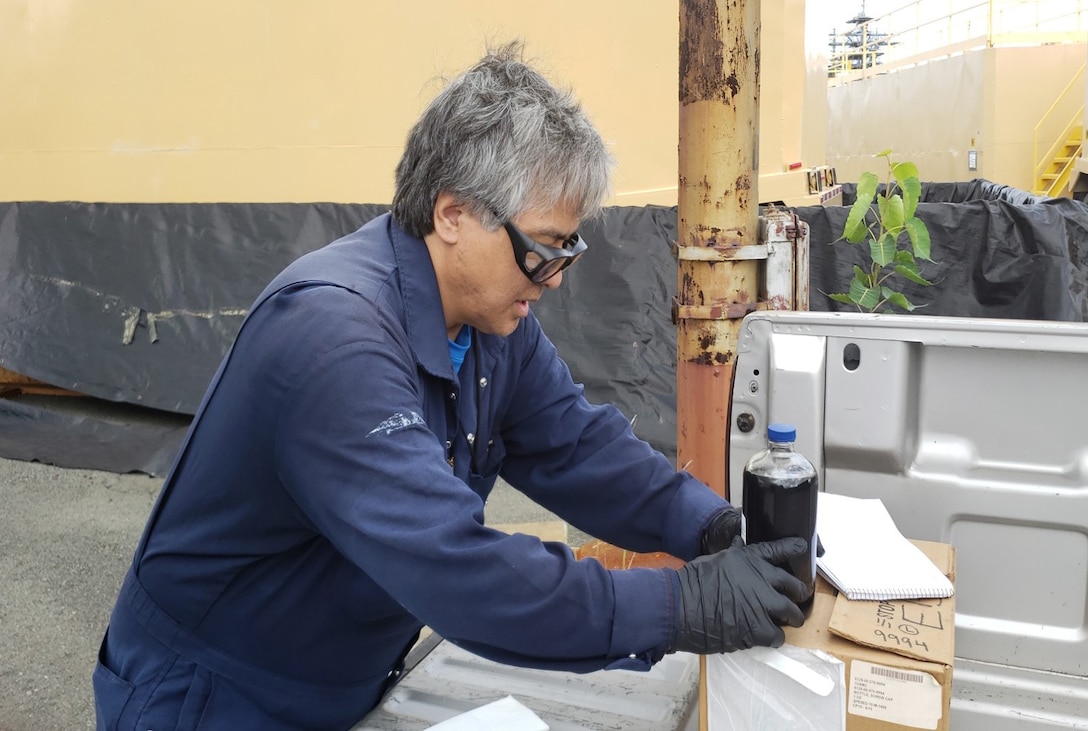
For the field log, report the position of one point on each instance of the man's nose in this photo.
(554, 281)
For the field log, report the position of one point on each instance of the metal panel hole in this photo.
(851, 357)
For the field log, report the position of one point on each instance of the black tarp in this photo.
(992, 259)
(90, 434)
(86, 287)
(136, 303)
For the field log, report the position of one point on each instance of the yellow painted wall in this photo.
(282, 100)
(793, 96)
(989, 100)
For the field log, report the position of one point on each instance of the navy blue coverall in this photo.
(329, 500)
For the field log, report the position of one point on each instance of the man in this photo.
(329, 499)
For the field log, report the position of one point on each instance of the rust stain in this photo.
(690, 291)
(703, 437)
(733, 84)
(715, 237)
(702, 53)
(711, 358)
(738, 310)
(778, 302)
(687, 283)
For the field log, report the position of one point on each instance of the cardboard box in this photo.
(884, 666)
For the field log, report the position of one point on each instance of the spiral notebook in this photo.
(866, 557)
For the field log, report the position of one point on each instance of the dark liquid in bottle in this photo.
(774, 510)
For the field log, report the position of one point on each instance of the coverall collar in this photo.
(423, 315)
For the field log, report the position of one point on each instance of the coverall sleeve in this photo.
(584, 463)
(358, 457)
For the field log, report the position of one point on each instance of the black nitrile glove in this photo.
(720, 531)
(736, 599)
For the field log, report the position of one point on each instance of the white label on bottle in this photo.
(907, 697)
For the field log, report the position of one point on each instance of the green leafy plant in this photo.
(883, 228)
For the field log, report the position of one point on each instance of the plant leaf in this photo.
(912, 274)
(864, 297)
(912, 193)
(883, 153)
(883, 249)
(892, 215)
(897, 299)
(867, 185)
(844, 298)
(906, 266)
(919, 237)
(904, 170)
(855, 230)
(863, 276)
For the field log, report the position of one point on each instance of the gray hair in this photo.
(502, 140)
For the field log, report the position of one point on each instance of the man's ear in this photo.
(448, 211)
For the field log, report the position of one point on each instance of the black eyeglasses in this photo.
(539, 262)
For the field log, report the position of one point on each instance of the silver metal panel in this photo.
(1002, 698)
(867, 379)
(973, 432)
(450, 681)
(779, 379)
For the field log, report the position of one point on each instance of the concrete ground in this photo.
(66, 539)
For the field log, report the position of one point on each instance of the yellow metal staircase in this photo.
(1053, 171)
(1054, 168)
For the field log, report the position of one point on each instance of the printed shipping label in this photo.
(906, 697)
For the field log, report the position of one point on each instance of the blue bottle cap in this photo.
(781, 433)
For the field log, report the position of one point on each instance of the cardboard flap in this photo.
(922, 629)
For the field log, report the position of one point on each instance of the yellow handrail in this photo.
(1061, 174)
(1041, 162)
(1076, 81)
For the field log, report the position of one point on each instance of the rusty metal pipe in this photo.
(718, 218)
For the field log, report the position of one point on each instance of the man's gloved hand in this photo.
(736, 599)
(720, 531)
